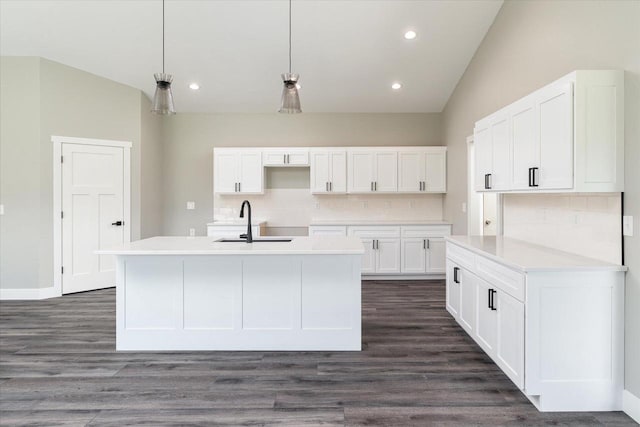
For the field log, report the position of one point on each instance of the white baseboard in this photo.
(29, 293)
(403, 276)
(631, 405)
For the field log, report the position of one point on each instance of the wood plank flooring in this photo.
(58, 367)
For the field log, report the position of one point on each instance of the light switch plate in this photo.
(627, 225)
(1, 209)
(464, 207)
(192, 232)
(191, 206)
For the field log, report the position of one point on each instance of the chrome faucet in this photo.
(247, 236)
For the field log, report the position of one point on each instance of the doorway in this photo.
(484, 210)
(92, 204)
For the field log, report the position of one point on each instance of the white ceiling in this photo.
(347, 52)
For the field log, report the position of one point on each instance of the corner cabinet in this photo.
(566, 353)
(238, 171)
(567, 136)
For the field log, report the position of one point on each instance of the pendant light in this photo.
(163, 98)
(290, 103)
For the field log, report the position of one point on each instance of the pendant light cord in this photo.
(162, 36)
(289, 36)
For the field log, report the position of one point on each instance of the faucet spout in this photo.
(248, 236)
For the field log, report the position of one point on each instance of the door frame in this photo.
(475, 203)
(57, 195)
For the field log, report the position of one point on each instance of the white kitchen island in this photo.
(194, 293)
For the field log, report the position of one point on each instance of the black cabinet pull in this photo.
(118, 223)
(492, 293)
(455, 275)
(534, 180)
(530, 181)
(487, 181)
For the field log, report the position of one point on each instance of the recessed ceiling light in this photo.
(396, 86)
(410, 35)
(194, 86)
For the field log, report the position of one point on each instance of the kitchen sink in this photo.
(254, 240)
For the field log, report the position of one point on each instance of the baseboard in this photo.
(403, 276)
(29, 293)
(631, 405)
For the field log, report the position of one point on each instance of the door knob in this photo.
(117, 223)
(487, 222)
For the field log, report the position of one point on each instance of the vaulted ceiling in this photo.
(348, 53)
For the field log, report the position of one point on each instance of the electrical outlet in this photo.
(192, 232)
(191, 206)
(1, 209)
(464, 207)
(627, 225)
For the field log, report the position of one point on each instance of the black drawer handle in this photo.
(455, 274)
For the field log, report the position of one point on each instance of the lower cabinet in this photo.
(381, 248)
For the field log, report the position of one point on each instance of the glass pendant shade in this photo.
(163, 98)
(290, 99)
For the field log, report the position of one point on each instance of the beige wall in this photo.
(151, 176)
(70, 102)
(189, 140)
(530, 44)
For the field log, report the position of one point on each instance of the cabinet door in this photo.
(487, 319)
(510, 341)
(413, 256)
(274, 157)
(251, 172)
(338, 167)
(388, 255)
(411, 171)
(468, 304)
(555, 105)
(436, 253)
(368, 257)
(226, 171)
(501, 153)
(483, 156)
(435, 177)
(525, 144)
(386, 172)
(453, 289)
(360, 172)
(297, 157)
(320, 171)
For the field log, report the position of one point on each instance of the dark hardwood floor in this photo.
(58, 367)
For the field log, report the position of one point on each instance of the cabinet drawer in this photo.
(378, 232)
(504, 278)
(409, 231)
(465, 258)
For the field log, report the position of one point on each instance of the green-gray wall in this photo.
(531, 43)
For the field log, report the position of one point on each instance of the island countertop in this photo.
(170, 245)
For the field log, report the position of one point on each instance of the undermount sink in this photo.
(254, 240)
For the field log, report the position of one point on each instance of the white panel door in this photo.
(436, 255)
(298, 157)
(251, 172)
(320, 171)
(501, 154)
(468, 296)
(453, 289)
(338, 168)
(360, 176)
(93, 214)
(435, 178)
(525, 144)
(413, 256)
(386, 172)
(483, 154)
(388, 255)
(510, 340)
(411, 172)
(368, 257)
(226, 171)
(487, 319)
(274, 157)
(556, 137)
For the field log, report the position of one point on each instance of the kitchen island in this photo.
(195, 293)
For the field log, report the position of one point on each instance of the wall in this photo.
(151, 176)
(70, 102)
(189, 140)
(530, 44)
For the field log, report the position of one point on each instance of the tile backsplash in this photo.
(298, 207)
(585, 224)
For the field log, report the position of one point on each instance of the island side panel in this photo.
(220, 302)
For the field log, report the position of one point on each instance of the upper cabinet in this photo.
(422, 169)
(238, 171)
(372, 170)
(328, 170)
(567, 136)
(285, 157)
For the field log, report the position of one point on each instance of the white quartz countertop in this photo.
(523, 256)
(162, 245)
(377, 222)
(236, 221)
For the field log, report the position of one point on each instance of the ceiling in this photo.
(348, 53)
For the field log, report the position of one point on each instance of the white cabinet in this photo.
(566, 136)
(285, 156)
(237, 171)
(510, 341)
(422, 169)
(468, 300)
(423, 248)
(453, 289)
(414, 259)
(387, 255)
(372, 170)
(328, 171)
(382, 248)
(486, 333)
(327, 230)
